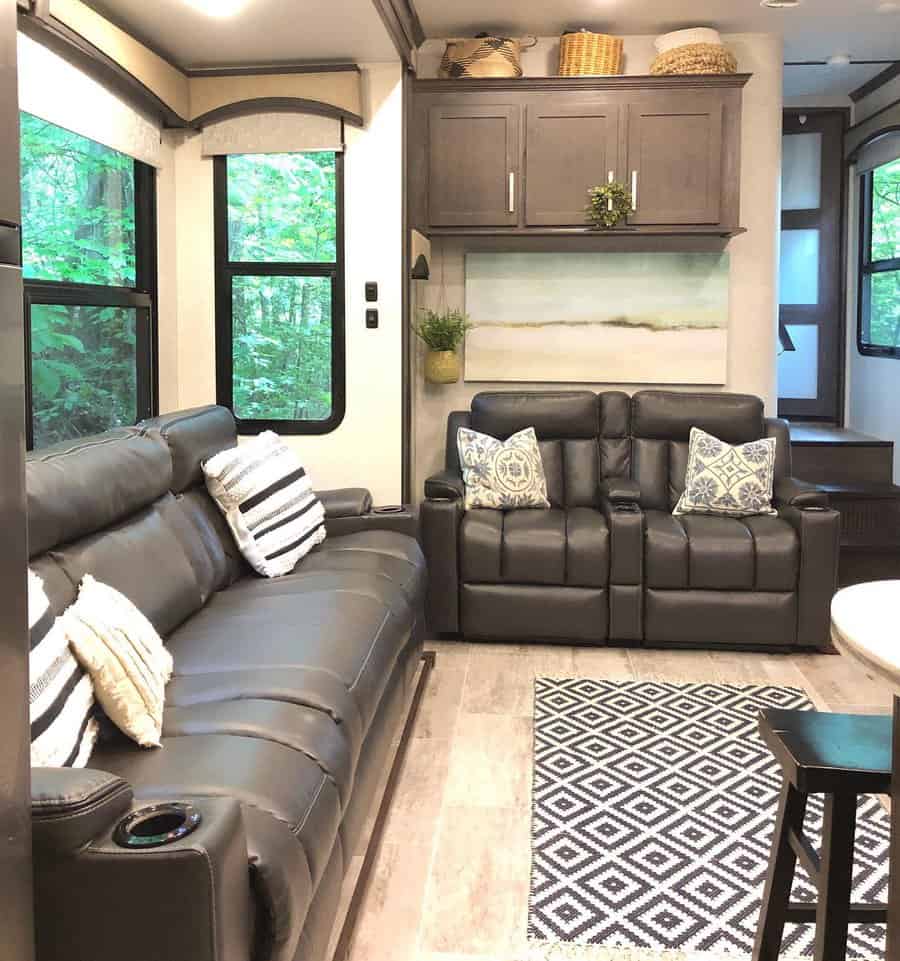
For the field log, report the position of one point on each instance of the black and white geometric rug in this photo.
(653, 812)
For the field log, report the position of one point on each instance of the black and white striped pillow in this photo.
(268, 501)
(60, 692)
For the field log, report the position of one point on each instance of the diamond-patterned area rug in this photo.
(653, 813)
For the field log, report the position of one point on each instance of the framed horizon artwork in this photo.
(640, 318)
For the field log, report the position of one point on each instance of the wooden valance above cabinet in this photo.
(517, 157)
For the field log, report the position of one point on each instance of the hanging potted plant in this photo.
(442, 332)
(609, 204)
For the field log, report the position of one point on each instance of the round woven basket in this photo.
(695, 58)
(483, 56)
(585, 54)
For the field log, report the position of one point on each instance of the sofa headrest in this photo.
(193, 436)
(553, 414)
(668, 415)
(78, 487)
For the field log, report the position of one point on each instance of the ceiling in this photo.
(274, 31)
(262, 32)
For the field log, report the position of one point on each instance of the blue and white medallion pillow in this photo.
(502, 475)
(735, 481)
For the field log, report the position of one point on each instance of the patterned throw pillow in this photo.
(125, 657)
(502, 475)
(724, 479)
(60, 692)
(268, 501)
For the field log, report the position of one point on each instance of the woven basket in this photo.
(695, 58)
(483, 57)
(585, 54)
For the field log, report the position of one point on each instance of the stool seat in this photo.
(823, 753)
(840, 756)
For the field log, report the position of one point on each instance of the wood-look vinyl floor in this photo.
(451, 880)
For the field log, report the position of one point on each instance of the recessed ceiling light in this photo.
(888, 8)
(217, 8)
(780, 4)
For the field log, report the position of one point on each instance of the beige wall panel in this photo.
(167, 82)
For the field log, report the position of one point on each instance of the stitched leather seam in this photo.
(57, 809)
(375, 639)
(46, 458)
(296, 831)
(182, 420)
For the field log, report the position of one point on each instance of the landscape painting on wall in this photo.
(648, 318)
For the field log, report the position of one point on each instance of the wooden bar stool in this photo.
(840, 756)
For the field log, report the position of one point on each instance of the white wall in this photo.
(754, 255)
(872, 383)
(365, 450)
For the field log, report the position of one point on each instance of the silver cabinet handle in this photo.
(610, 177)
(512, 192)
(634, 189)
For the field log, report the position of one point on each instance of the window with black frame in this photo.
(280, 290)
(879, 267)
(89, 266)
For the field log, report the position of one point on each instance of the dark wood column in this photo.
(15, 810)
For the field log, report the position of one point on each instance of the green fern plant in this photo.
(441, 330)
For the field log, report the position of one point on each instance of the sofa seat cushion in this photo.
(555, 547)
(338, 624)
(302, 686)
(260, 774)
(307, 730)
(384, 554)
(696, 552)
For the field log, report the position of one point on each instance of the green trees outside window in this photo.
(279, 290)
(879, 327)
(87, 286)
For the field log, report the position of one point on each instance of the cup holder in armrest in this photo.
(156, 825)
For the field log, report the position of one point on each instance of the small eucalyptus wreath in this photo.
(609, 204)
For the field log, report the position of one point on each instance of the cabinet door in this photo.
(675, 159)
(473, 166)
(569, 148)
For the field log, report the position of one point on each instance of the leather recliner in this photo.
(609, 561)
(286, 699)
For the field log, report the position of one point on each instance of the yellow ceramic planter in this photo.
(442, 366)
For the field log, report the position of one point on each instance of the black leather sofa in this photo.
(609, 561)
(287, 698)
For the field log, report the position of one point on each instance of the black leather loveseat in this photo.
(609, 561)
(280, 717)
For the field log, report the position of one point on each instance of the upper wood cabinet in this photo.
(674, 159)
(568, 149)
(518, 156)
(473, 162)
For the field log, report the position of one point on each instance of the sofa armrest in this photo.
(345, 502)
(192, 896)
(818, 530)
(70, 807)
(439, 521)
(620, 491)
(445, 485)
(790, 492)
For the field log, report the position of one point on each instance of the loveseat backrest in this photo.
(582, 437)
(661, 423)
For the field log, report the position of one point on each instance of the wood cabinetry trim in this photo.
(629, 82)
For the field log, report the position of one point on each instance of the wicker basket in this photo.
(584, 54)
(483, 56)
(695, 58)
